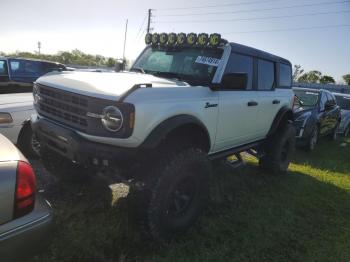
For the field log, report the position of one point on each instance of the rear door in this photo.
(237, 108)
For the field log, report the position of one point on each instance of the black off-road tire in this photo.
(27, 143)
(279, 150)
(176, 194)
(63, 169)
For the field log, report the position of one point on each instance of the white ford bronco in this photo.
(186, 100)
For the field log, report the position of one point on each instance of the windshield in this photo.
(306, 98)
(343, 102)
(193, 65)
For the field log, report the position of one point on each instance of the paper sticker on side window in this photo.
(207, 60)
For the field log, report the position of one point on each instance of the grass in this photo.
(302, 216)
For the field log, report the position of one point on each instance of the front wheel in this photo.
(177, 195)
(279, 150)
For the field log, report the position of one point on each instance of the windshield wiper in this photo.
(301, 102)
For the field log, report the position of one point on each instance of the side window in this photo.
(3, 68)
(25, 68)
(241, 64)
(266, 75)
(285, 76)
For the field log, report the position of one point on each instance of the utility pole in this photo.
(126, 30)
(39, 47)
(149, 20)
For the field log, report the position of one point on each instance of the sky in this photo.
(312, 33)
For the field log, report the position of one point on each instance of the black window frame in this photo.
(253, 73)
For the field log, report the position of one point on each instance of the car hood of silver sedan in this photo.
(102, 84)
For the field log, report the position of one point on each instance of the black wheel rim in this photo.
(181, 197)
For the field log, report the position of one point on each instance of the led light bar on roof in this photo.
(181, 39)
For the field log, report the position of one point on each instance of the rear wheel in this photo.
(279, 150)
(176, 195)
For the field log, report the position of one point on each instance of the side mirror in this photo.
(234, 81)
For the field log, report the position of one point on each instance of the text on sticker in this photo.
(207, 60)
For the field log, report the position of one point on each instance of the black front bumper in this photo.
(69, 144)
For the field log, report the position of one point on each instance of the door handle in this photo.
(252, 103)
(275, 102)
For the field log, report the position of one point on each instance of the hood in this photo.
(103, 85)
(20, 98)
(301, 110)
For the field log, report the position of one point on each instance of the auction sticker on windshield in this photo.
(207, 60)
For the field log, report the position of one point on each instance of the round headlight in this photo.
(191, 38)
(112, 118)
(148, 39)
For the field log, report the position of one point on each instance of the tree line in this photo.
(69, 57)
(314, 76)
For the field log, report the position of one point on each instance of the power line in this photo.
(143, 22)
(221, 5)
(259, 9)
(287, 29)
(252, 19)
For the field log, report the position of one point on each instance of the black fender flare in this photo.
(284, 114)
(26, 124)
(170, 124)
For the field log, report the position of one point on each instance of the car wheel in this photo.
(177, 195)
(312, 140)
(279, 151)
(28, 143)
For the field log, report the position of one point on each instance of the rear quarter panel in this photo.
(7, 189)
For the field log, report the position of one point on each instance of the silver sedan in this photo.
(25, 218)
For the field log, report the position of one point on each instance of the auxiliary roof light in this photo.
(172, 38)
(181, 38)
(148, 39)
(203, 39)
(191, 38)
(155, 39)
(163, 38)
(214, 39)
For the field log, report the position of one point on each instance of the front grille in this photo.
(65, 107)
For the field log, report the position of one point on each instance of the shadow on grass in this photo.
(251, 217)
(328, 155)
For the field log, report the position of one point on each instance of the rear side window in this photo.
(241, 64)
(266, 75)
(285, 76)
(3, 67)
(23, 68)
